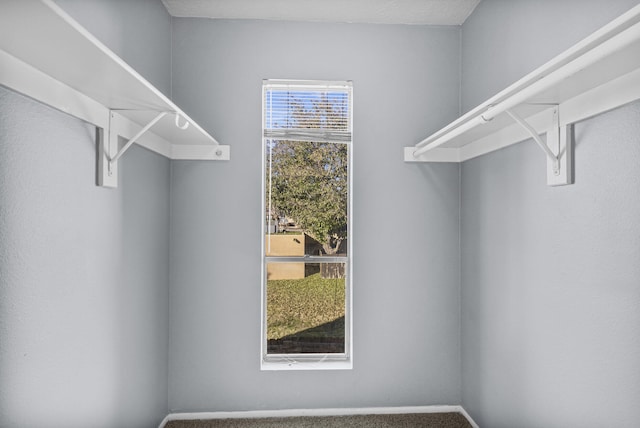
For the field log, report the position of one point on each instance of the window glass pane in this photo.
(305, 308)
(306, 198)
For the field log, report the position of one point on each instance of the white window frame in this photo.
(329, 361)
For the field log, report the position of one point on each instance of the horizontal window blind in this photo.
(299, 112)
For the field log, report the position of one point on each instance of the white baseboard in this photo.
(252, 414)
(469, 418)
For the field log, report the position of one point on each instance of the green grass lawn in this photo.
(304, 305)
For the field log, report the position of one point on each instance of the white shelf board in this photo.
(39, 36)
(600, 73)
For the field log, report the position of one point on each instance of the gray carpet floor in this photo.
(413, 420)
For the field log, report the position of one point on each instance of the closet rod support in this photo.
(183, 126)
(534, 134)
(136, 137)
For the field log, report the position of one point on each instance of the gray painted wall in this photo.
(83, 277)
(405, 234)
(550, 288)
(84, 271)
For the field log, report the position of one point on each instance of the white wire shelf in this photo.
(598, 74)
(48, 56)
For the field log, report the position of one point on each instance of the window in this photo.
(306, 285)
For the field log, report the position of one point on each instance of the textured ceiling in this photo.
(425, 12)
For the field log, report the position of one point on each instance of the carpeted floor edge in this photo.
(399, 420)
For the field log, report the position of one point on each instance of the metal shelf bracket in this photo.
(109, 152)
(135, 138)
(557, 148)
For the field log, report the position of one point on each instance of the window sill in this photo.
(278, 364)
